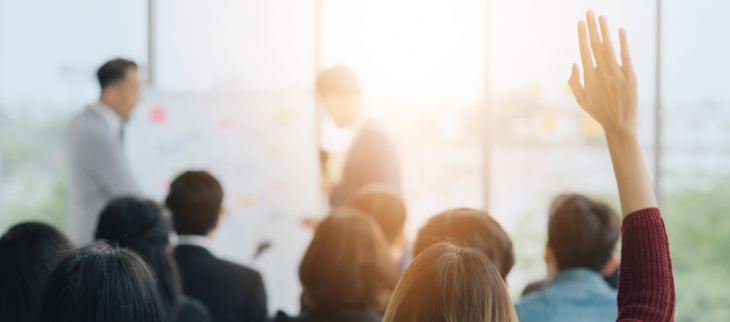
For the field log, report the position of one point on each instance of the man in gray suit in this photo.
(98, 167)
(372, 157)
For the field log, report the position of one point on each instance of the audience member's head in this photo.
(449, 283)
(339, 92)
(27, 254)
(469, 228)
(100, 283)
(385, 206)
(195, 201)
(139, 225)
(347, 264)
(582, 233)
(119, 85)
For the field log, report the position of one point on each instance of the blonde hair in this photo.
(449, 283)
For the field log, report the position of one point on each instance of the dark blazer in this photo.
(190, 310)
(333, 315)
(230, 291)
(372, 158)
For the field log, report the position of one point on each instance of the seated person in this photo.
(609, 273)
(347, 272)
(27, 254)
(447, 283)
(469, 228)
(139, 225)
(100, 283)
(387, 208)
(232, 292)
(582, 235)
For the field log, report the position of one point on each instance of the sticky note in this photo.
(273, 150)
(590, 126)
(226, 123)
(285, 115)
(279, 185)
(158, 115)
(247, 201)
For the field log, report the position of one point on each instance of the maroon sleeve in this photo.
(646, 283)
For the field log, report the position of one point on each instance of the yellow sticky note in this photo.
(285, 115)
(591, 126)
(273, 150)
(548, 121)
(247, 201)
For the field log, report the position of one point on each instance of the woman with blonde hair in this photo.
(450, 283)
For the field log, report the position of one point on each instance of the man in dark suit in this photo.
(372, 157)
(232, 292)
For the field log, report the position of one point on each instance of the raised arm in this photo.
(646, 284)
(610, 97)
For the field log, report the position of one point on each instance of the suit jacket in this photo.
(373, 158)
(98, 171)
(332, 315)
(230, 291)
(190, 310)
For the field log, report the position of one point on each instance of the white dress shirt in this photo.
(194, 240)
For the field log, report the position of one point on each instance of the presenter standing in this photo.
(372, 157)
(95, 141)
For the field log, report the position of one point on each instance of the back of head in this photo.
(582, 233)
(347, 264)
(139, 224)
(28, 252)
(114, 71)
(100, 283)
(385, 206)
(338, 80)
(195, 200)
(449, 283)
(469, 228)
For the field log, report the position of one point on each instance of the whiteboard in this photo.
(262, 148)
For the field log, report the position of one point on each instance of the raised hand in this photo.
(610, 94)
(610, 97)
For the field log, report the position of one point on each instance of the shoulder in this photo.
(192, 310)
(88, 126)
(283, 317)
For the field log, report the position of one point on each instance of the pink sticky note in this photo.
(225, 124)
(279, 185)
(158, 114)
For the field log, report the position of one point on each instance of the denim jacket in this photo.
(576, 294)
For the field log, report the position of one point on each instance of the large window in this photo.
(49, 53)
(695, 76)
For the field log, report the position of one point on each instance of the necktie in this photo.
(121, 131)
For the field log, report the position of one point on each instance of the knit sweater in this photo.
(646, 284)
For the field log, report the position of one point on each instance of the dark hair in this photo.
(582, 233)
(348, 263)
(114, 71)
(100, 283)
(450, 283)
(139, 225)
(27, 254)
(195, 200)
(470, 228)
(384, 205)
(338, 80)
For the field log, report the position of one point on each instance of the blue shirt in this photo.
(577, 294)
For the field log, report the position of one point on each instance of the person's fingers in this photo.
(595, 40)
(608, 53)
(627, 68)
(585, 50)
(576, 86)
